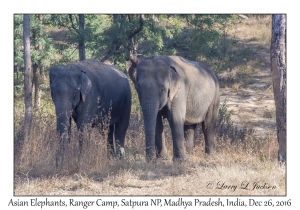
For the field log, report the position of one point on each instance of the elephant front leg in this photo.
(189, 131)
(160, 142)
(177, 124)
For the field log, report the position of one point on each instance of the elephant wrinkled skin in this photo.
(186, 93)
(86, 91)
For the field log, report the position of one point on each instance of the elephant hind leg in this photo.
(121, 127)
(209, 128)
(120, 132)
(110, 141)
(209, 136)
(189, 131)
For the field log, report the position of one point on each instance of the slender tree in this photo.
(278, 68)
(27, 74)
(81, 34)
(36, 67)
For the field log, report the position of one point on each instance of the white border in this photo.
(153, 6)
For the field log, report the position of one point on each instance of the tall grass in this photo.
(38, 154)
(238, 158)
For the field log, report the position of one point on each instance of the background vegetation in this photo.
(220, 41)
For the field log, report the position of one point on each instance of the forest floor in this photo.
(233, 170)
(254, 105)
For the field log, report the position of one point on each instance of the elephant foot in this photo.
(120, 154)
(180, 159)
(164, 157)
(209, 151)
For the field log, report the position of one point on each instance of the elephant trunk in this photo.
(150, 109)
(64, 128)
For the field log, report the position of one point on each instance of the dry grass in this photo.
(247, 54)
(255, 29)
(248, 160)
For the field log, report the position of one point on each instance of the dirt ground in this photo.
(254, 106)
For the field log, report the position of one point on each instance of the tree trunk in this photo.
(81, 38)
(278, 68)
(36, 87)
(36, 69)
(27, 75)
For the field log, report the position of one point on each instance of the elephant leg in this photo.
(209, 128)
(177, 124)
(189, 131)
(209, 135)
(120, 132)
(80, 137)
(110, 141)
(121, 127)
(160, 142)
(63, 152)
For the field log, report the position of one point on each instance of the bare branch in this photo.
(76, 18)
(73, 26)
(129, 18)
(116, 44)
(142, 18)
(113, 51)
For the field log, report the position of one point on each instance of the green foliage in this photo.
(94, 28)
(152, 40)
(18, 41)
(204, 36)
(37, 27)
(158, 35)
(197, 37)
(46, 56)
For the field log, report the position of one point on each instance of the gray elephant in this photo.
(186, 93)
(86, 91)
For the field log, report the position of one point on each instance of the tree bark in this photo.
(36, 87)
(278, 68)
(80, 32)
(81, 38)
(36, 69)
(27, 75)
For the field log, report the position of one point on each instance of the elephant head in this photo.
(156, 84)
(69, 86)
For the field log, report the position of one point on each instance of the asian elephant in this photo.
(87, 90)
(186, 93)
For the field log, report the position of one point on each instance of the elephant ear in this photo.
(86, 85)
(174, 83)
